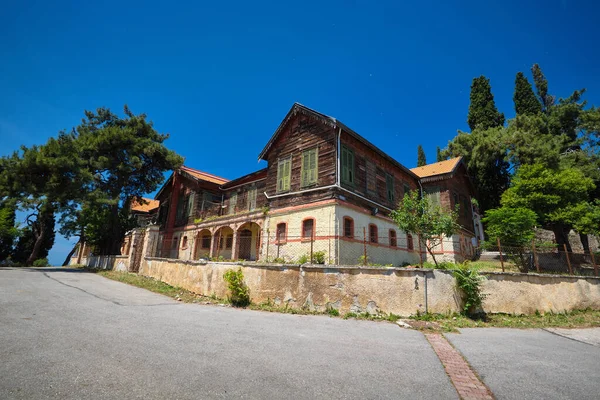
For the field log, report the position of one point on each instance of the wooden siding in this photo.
(366, 175)
(302, 132)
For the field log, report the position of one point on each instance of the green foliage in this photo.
(484, 154)
(446, 265)
(421, 158)
(240, 294)
(319, 257)
(334, 312)
(41, 262)
(524, 98)
(551, 194)
(41, 228)
(470, 282)
(541, 85)
(429, 223)
(483, 113)
(438, 154)
(511, 225)
(303, 259)
(8, 230)
(515, 227)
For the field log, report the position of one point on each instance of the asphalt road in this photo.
(532, 363)
(74, 335)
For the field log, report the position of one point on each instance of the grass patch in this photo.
(160, 287)
(573, 319)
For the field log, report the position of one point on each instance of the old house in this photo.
(325, 191)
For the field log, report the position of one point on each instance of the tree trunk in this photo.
(66, 262)
(114, 245)
(562, 237)
(39, 239)
(585, 242)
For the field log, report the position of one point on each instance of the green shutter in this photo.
(190, 209)
(347, 166)
(286, 173)
(280, 168)
(309, 167)
(251, 199)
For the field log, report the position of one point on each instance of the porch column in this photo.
(235, 251)
(214, 242)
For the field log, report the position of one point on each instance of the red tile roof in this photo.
(438, 168)
(147, 205)
(204, 176)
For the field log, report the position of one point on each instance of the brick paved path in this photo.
(463, 378)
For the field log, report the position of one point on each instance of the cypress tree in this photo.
(483, 113)
(438, 154)
(541, 85)
(421, 159)
(524, 98)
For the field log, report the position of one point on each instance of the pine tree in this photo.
(8, 230)
(524, 98)
(541, 85)
(42, 226)
(421, 159)
(438, 154)
(483, 113)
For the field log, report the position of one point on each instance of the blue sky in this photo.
(220, 76)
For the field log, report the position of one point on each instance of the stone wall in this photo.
(402, 291)
(117, 263)
(514, 293)
(349, 289)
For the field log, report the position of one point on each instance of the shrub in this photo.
(319, 257)
(41, 262)
(240, 294)
(469, 281)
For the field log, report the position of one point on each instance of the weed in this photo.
(41, 262)
(303, 259)
(240, 294)
(334, 312)
(469, 281)
(350, 315)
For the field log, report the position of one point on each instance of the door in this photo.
(245, 252)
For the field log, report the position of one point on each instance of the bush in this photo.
(303, 259)
(319, 257)
(469, 282)
(41, 262)
(240, 294)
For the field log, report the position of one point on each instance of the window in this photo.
(308, 229)
(190, 204)
(184, 242)
(348, 227)
(252, 199)
(373, 233)
(284, 170)
(232, 203)
(393, 240)
(456, 201)
(310, 167)
(226, 241)
(281, 232)
(406, 189)
(389, 185)
(347, 166)
(205, 242)
(409, 242)
(433, 193)
(371, 177)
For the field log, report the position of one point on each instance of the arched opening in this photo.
(223, 243)
(248, 241)
(202, 246)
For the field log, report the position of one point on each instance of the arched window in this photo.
(409, 242)
(308, 229)
(348, 227)
(393, 240)
(281, 233)
(373, 233)
(184, 242)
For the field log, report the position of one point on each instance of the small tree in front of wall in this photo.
(430, 223)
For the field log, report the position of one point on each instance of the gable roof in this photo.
(334, 123)
(194, 174)
(248, 178)
(203, 175)
(145, 206)
(438, 168)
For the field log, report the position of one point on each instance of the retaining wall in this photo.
(117, 263)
